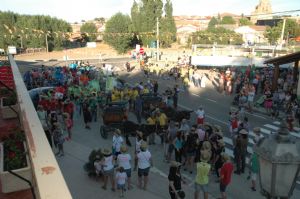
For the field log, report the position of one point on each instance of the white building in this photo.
(252, 34)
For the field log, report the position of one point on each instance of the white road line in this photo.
(297, 135)
(211, 100)
(277, 123)
(229, 141)
(230, 153)
(156, 170)
(297, 129)
(265, 131)
(253, 114)
(270, 126)
(187, 108)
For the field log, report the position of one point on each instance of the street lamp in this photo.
(279, 160)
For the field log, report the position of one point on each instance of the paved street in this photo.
(217, 108)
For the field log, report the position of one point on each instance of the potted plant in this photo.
(14, 157)
(8, 104)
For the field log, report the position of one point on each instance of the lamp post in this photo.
(279, 160)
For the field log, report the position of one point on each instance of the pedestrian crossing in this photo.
(266, 130)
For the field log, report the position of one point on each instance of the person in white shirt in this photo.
(117, 142)
(138, 141)
(144, 161)
(121, 178)
(124, 160)
(200, 115)
(257, 135)
(108, 168)
(98, 166)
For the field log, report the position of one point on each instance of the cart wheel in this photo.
(103, 132)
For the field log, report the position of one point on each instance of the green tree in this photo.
(168, 26)
(213, 22)
(118, 33)
(219, 35)
(292, 29)
(32, 30)
(245, 22)
(227, 20)
(144, 14)
(272, 34)
(90, 30)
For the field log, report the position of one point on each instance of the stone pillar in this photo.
(276, 75)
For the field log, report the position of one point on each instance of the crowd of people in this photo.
(196, 148)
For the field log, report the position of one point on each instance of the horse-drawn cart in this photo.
(113, 116)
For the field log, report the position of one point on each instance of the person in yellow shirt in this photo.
(162, 120)
(152, 121)
(202, 177)
(146, 91)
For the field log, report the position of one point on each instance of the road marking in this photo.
(229, 141)
(156, 170)
(253, 114)
(271, 127)
(187, 108)
(211, 100)
(265, 131)
(277, 123)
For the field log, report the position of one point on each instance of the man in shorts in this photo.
(225, 175)
(202, 177)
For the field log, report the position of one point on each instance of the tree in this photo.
(245, 22)
(118, 34)
(90, 30)
(219, 35)
(144, 15)
(168, 26)
(292, 29)
(272, 34)
(227, 20)
(213, 22)
(32, 29)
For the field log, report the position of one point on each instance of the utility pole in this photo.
(46, 37)
(282, 33)
(157, 39)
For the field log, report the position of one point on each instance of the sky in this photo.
(77, 10)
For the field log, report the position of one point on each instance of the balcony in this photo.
(47, 180)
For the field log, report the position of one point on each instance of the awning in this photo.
(284, 59)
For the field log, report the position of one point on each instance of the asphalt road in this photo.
(217, 107)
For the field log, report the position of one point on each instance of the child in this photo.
(58, 139)
(121, 178)
(98, 166)
(69, 125)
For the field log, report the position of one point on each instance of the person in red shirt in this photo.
(225, 175)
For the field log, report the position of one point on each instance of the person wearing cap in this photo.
(200, 115)
(225, 174)
(117, 142)
(240, 151)
(143, 161)
(108, 168)
(202, 176)
(124, 160)
(175, 180)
